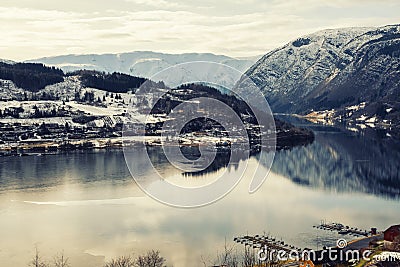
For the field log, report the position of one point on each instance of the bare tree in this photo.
(249, 257)
(123, 261)
(204, 261)
(61, 261)
(150, 259)
(229, 257)
(37, 260)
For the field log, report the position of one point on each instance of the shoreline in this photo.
(47, 146)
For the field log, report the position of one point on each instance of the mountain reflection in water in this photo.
(343, 161)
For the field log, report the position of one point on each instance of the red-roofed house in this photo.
(391, 236)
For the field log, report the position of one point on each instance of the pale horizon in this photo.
(249, 28)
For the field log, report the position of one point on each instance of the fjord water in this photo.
(86, 203)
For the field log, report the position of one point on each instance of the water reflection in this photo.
(87, 204)
(342, 161)
(336, 161)
(17, 173)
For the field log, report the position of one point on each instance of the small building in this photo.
(391, 233)
(391, 236)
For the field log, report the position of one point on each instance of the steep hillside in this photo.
(332, 69)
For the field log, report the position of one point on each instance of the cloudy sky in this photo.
(37, 28)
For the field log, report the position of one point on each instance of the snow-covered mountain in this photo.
(332, 69)
(6, 61)
(141, 63)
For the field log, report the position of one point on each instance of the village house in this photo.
(392, 237)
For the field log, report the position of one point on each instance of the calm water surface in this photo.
(87, 205)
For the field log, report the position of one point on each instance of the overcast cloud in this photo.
(32, 29)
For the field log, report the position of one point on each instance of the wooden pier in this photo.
(342, 229)
(262, 241)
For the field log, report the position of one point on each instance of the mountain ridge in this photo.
(315, 61)
(138, 63)
(332, 70)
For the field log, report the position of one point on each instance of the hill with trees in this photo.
(30, 76)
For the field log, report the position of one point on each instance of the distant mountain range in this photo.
(141, 63)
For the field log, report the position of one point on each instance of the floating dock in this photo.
(342, 229)
(262, 241)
